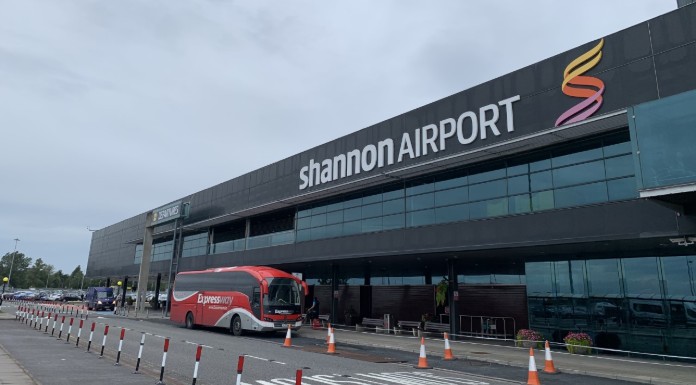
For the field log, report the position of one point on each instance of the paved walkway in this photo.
(11, 373)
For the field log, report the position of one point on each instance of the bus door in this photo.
(199, 314)
(256, 303)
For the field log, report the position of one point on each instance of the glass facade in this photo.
(645, 304)
(194, 245)
(663, 131)
(160, 252)
(593, 171)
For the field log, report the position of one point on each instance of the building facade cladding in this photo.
(650, 61)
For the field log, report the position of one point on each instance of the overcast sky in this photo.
(111, 108)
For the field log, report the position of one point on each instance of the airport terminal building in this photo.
(560, 197)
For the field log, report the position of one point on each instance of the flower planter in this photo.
(574, 349)
(529, 344)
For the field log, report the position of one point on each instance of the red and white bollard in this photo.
(91, 333)
(120, 346)
(298, 377)
(164, 361)
(48, 320)
(199, 350)
(79, 332)
(106, 333)
(240, 368)
(55, 319)
(140, 353)
(62, 322)
(43, 315)
(67, 340)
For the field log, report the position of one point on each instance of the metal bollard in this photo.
(164, 361)
(91, 333)
(240, 368)
(67, 340)
(199, 350)
(79, 332)
(140, 353)
(120, 346)
(62, 322)
(106, 332)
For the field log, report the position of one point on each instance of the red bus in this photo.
(240, 298)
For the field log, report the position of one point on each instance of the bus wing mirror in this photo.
(305, 288)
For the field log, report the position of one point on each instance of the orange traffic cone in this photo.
(328, 332)
(533, 377)
(332, 343)
(548, 367)
(422, 360)
(448, 351)
(288, 338)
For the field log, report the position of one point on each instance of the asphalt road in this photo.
(266, 361)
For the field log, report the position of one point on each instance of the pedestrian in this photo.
(313, 311)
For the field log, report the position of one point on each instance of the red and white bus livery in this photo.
(240, 298)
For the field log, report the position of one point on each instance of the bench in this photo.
(414, 326)
(377, 323)
(436, 327)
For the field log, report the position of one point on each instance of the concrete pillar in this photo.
(451, 289)
(145, 264)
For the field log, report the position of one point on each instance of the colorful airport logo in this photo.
(578, 86)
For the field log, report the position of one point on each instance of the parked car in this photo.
(71, 296)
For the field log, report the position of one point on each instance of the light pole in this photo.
(9, 278)
(4, 282)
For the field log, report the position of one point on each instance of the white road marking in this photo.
(399, 378)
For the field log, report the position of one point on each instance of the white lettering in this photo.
(213, 300)
(489, 122)
(430, 138)
(474, 127)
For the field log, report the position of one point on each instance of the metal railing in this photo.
(487, 326)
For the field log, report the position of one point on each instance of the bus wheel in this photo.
(236, 327)
(189, 320)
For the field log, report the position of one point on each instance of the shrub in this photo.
(578, 342)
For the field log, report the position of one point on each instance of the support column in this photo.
(334, 290)
(452, 298)
(145, 263)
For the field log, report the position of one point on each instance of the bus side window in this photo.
(256, 297)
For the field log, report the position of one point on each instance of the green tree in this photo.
(20, 268)
(76, 278)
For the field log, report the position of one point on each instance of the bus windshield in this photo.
(283, 292)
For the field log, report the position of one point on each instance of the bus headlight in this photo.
(99, 303)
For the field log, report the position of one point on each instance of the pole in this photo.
(140, 353)
(9, 278)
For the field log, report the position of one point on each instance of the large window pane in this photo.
(393, 222)
(372, 210)
(679, 275)
(577, 157)
(420, 186)
(541, 181)
(624, 188)
(420, 218)
(518, 185)
(581, 173)
(304, 223)
(418, 202)
(487, 175)
(453, 182)
(371, 225)
(393, 206)
(334, 217)
(318, 220)
(581, 195)
(604, 278)
(489, 208)
(619, 166)
(452, 196)
(570, 278)
(641, 276)
(351, 214)
(539, 278)
(520, 204)
(488, 190)
(542, 201)
(452, 213)
(518, 169)
(617, 149)
(334, 230)
(350, 228)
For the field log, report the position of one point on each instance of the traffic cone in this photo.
(288, 338)
(448, 351)
(533, 377)
(548, 367)
(328, 333)
(332, 343)
(422, 360)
